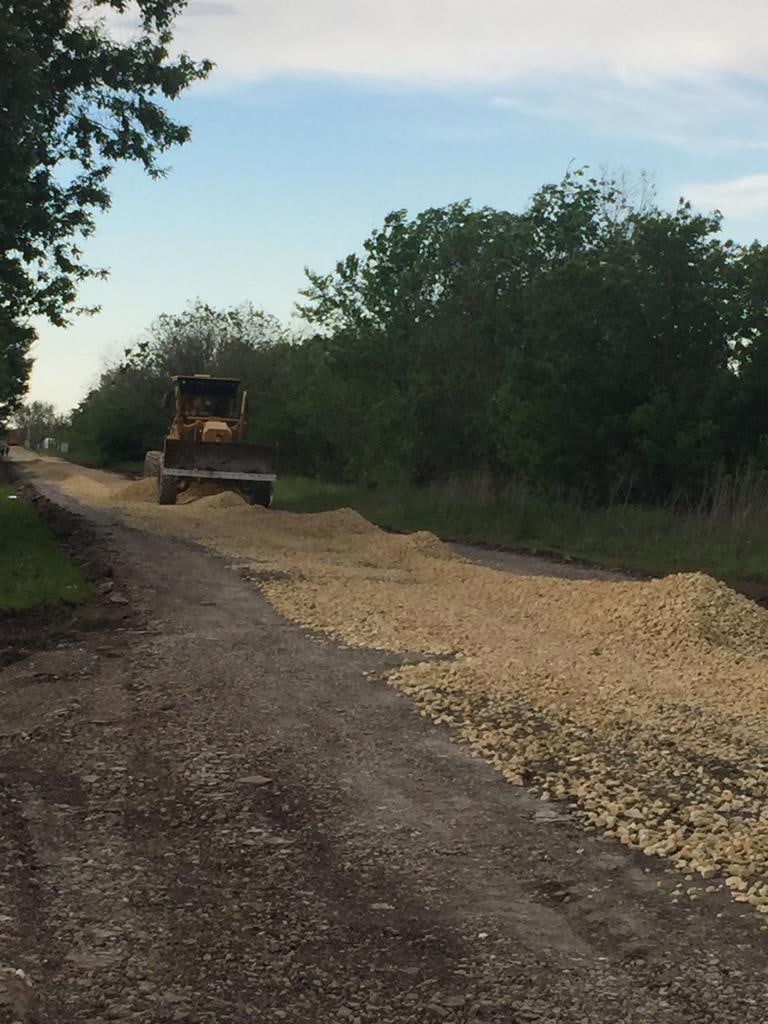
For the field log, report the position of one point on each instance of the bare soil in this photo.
(211, 815)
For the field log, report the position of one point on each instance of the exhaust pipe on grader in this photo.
(205, 442)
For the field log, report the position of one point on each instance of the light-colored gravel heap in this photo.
(645, 705)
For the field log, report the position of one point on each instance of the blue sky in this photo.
(323, 117)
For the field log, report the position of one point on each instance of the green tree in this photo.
(623, 377)
(75, 101)
(417, 327)
(592, 343)
(750, 354)
(121, 419)
(207, 340)
(15, 364)
(124, 416)
(38, 420)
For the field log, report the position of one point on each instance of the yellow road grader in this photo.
(205, 442)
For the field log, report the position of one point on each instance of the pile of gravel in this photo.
(643, 705)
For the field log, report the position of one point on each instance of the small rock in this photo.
(118, 599)
(550, 815)
(255, 780)
(453, 1001)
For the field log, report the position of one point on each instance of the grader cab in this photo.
(205, 442)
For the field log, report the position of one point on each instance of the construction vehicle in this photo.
(205, 442)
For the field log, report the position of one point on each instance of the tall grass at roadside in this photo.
(724, 533)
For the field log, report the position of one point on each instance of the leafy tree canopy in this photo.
(593, 342)
(74, 101)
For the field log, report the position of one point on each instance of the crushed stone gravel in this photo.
(643, 705)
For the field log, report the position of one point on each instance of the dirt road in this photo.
(211, 815)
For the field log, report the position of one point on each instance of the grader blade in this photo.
(204, 461)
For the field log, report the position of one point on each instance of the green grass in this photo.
(33, 568)
(625, 536)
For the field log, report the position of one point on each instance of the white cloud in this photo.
(741, 198)
(479, 41)
(712, 117)
(209, 8)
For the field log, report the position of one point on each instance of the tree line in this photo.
(593, 343)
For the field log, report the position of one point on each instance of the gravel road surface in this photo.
(211, 815)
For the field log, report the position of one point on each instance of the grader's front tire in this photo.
(152, 463)
(167, 489)
(260, 494)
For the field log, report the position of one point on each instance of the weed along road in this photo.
(302, 770)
